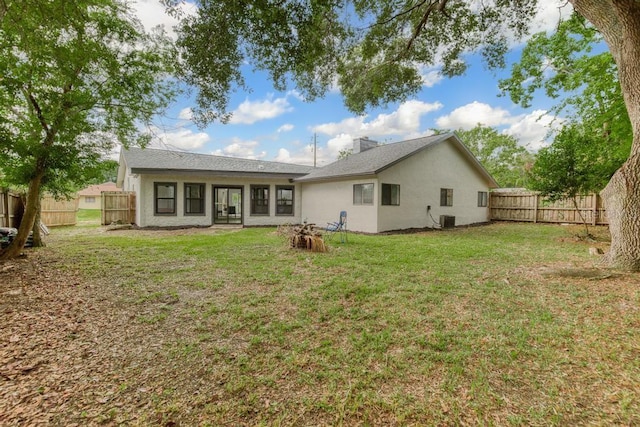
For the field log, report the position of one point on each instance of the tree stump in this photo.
(307, 237)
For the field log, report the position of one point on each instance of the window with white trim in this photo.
(363, 194)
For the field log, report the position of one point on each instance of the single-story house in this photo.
(89, 198)
(175, 188)
(423, 182)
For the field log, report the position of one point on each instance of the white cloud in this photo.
(325, 154)
(186, 114)
(152, 13)
(301, 157)
(470, 115)
(343, 141)
(181, 138)
(430, 76)
(296, 94)
(405, 120)
(532, 130)
(288, 127)
(241, 149)
(550, 13)
(250, 112)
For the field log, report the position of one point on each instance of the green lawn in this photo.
(507, 324)
(88, 217)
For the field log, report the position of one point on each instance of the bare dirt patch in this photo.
(67, 348)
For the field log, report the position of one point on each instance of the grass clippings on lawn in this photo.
(507, 324)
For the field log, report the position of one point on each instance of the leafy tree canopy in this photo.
(573, 165)
(77, 78)
(500, 154)
(374, 49)
(566, 167)
(565, 67)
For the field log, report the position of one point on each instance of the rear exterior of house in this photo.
(410, 184)
(425, 182)
(186, 189)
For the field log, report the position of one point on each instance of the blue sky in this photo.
(280, 126)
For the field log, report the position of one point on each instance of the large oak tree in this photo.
(76, 77)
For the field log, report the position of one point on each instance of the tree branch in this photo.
(397, 15)
(34, 104)
(438, 5)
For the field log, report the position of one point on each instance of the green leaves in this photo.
(597, 137)
(564, 66)
(578, 162)
(78, 77)
(373, 49)
(500, 154)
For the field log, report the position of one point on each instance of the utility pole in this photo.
(315, 145)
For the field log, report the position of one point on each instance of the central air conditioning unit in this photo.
(447, 221)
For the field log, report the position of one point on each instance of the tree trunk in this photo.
(619, 23)
(622, 199)
(28, 219)
(37, 232)
(584, 221)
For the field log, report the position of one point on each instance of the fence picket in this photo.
(531, 207)
(118, 207)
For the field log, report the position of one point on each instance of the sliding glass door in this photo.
(227, 205)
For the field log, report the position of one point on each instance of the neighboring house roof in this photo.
(96, 190)
(375, 160)
(152, 160)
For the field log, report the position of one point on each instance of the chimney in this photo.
(363, 144)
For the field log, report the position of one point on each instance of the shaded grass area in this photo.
(466, 326)
(87, 217)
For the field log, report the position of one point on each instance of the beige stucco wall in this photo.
(145, 201)
(83, 203)
(421, 177)
(323, 201)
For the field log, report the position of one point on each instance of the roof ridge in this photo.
(191, 153)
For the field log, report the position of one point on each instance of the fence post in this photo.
(4, 195)
(595, 209)
(535, 208)
(103, 211)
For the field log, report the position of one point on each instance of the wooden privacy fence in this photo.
(11, 209)
(118, 207)
(58, 212)
(52, 212)
(532, 207)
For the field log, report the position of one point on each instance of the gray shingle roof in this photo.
(369, 162)
(152, 159)
(375, 160)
